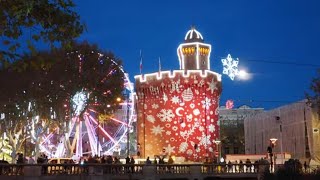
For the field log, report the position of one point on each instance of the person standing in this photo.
(132, 162)
(148, 161)
(127, 164)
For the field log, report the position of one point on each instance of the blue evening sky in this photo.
(258, 32)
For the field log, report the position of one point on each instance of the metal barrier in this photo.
(136, 169)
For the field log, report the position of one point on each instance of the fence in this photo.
(122, 169)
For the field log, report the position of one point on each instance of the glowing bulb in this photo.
(243, 75)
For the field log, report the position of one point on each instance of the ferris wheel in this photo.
(87, 135)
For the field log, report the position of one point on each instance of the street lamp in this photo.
(269, 150)
(128, 144)
(217, 142)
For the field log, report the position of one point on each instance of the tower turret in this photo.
(194, 54)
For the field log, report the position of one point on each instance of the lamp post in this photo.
(269, 150)
(128, 133)
(217, 142)
(98, 137)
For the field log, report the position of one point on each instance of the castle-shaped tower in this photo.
(193, 53)
(178, 110)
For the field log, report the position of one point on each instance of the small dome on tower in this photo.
(193, 36)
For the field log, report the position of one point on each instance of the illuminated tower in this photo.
(193, 53)
(178, 110)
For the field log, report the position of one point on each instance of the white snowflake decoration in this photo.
(204, 140)
(211, 128)
(189, 152)
(230, 67)
(155, 106)
(201, 128)
(175, 100)
(165, 115)
(206, 103)
(212, 86)
(157, 130)
(169, 149)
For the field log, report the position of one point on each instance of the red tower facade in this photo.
(178, 110)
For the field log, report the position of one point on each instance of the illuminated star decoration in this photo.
(230, 66)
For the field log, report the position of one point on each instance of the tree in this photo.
(52, 22)
(314, 96)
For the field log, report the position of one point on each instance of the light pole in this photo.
(128, 132)
(269, 150)
(98, 138)
(278, 119)
(217, 142)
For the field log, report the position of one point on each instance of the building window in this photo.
(226, 150)
(235, 150)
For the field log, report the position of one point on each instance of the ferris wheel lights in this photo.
(84, 125)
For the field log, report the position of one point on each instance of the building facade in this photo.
(178, 110)
(295, 126)
(232, 128)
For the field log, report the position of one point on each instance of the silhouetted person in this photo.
(148, 160)
(127, 163)
(229, 166)
(132, 162)
(305, 166)
(248, 165)
(241, 166)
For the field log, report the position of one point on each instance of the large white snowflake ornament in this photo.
(157, 130)
(165, 115)
(169, 149)
(230, 66)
